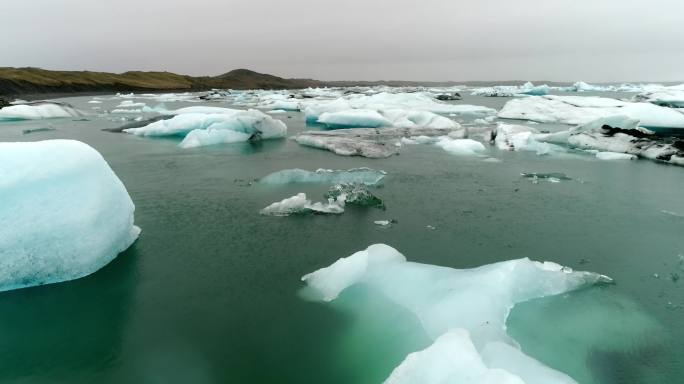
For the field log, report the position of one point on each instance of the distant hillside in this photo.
(26, 81)
(34, 82)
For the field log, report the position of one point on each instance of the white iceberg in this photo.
(38, 111)
(354, 118)
(464, 312)
(213, 136)
(314, 111)
(615, 156)
(580, 110)
(672, 97)
(399, 118)
(365, 176)
(523, 138)
(300, 204)
(214, 128)
(64, 213)
(368, 142)
(463, 147)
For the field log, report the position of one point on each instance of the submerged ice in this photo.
(463, 312)
(64, 213)
(366, 176)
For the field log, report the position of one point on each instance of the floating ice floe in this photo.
(300, 204)
(354, 194)
(38, 110)
(527, 89)
(619, 134)
(615, 156)
(463, 312)
(523, 138)
(365, 176)
(463, 147)
(399, 118)
(64, 213)
(130, 107)
(368, 142)
(201, 129)
(580, 110)
(672, 97)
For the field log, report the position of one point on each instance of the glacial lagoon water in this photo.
(210, 292)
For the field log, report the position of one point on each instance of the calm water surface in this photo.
(210, 291)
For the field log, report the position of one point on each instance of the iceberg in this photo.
(414, 101)
(314, 111)
(354, 118)
(523, 138)
(614, 156)
(398, 118)
(367, 142)
(37, 111)
(576, 110)
(64, 213)
(463, 312)
(672, 97)
(300, 204)
(365, 176)
(354, 194)
(619, 134)
(527, 89)
(201, 129)
(211, 136)
(464, 147)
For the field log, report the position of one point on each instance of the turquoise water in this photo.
(210, 291)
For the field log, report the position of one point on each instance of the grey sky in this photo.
(591, 40)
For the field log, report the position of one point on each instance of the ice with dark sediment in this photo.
(368, 142)
(622, 135)
(301, 205)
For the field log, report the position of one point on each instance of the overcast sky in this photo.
(591, 40)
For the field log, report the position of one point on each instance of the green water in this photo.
(209, 292)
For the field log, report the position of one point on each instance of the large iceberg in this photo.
(523, 138)
(580, 110)
(399, 118)
(38, 110)
(201, 129)
(64, 213)
(464, 312)
(365, 176)
(385, 101)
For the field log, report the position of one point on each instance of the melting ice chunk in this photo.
(214, 128)
(463, 311)
(300, 204)
(64, 213)
(38, 110)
